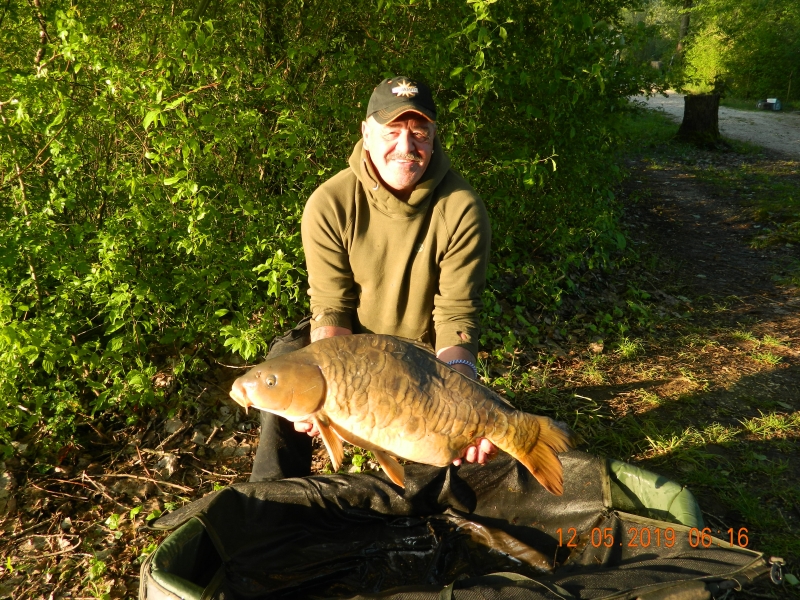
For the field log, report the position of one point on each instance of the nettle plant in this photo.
(155, 162)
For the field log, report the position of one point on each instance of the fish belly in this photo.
(395, 397)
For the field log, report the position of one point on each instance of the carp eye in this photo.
(270, 381)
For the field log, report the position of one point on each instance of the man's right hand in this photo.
(306, 427)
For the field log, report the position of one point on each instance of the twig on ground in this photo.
(144, 466)
(141, 461)
(33, 485)
(150, 479)
(213, 474)
(70, 482)
(61, 535)
(232, 366)
(102, 489)
(69, 550)
(226, 392)
(14, 536)
(169, 439)
(65, 550)
(211, 436)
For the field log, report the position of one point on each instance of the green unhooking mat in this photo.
(473, 532)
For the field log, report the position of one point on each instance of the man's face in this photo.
(400, 150)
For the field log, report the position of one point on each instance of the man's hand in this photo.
(307, 427)
(482, 451)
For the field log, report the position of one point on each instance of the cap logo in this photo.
(405, 89)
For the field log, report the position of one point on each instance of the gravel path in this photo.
(774, 130)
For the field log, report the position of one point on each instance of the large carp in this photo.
(396, 399)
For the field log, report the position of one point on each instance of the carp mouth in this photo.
(239, 394)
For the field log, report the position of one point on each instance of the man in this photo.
(398, 243)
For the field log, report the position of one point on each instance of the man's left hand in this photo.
(482, 451)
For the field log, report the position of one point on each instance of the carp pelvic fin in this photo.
(333, 443)
(393, 469)
(542, 460)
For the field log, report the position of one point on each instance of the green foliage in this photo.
(96, 569)
(762, 55)
(752, 46)
(705, 61)
(156, 160)
(659, 21)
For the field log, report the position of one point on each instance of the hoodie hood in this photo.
(383, 199)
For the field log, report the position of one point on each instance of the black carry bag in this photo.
(472, 532)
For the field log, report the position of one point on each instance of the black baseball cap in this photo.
(396, 95)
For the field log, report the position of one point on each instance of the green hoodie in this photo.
(415, 269)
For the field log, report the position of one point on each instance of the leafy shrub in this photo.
(156, 160)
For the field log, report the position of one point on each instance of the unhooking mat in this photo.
(473, 532)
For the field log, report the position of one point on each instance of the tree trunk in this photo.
(684, 28)
(701, 120)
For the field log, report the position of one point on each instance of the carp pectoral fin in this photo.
(333, 443)
(393, 469)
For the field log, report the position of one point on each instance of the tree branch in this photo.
(44, 38)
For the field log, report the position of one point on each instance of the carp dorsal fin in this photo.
(333, 443)
(393, 469)
(417, 343)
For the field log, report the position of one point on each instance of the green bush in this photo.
(156, 159)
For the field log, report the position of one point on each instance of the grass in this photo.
(772, 424)
(747, 104)
(767, 357)
(647, 129)
(769, 340)
(629, 349)
(743, 335)
(649, 398)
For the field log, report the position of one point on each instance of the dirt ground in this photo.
(778, 131)
(716, 391)
(710, 397)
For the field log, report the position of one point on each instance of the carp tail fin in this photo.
(393, 469)
(541, 458)
(333, 443)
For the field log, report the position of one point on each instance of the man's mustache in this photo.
(404, 156)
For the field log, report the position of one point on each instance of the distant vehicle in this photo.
(769, 104)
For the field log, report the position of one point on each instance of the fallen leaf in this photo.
(167, 466)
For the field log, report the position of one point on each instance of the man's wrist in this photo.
(458, 353)
(469, 364)
(327, 331)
